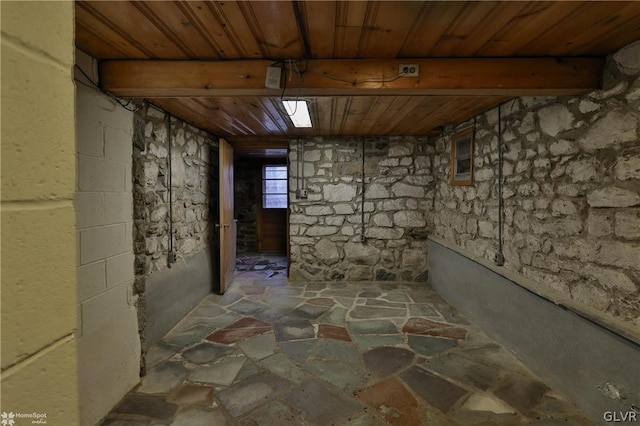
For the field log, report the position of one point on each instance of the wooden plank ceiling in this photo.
(329, 37)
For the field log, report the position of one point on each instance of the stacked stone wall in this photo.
(571, 191)
(326, 228)
(246, 178)
(192, 174)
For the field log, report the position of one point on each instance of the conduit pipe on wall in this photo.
(171, 256)
(499, 257)
(362, 237)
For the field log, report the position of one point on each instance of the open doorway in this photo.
(261, 206)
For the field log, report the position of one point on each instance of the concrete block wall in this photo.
(38, 302)
(108, 340)
(571, 192)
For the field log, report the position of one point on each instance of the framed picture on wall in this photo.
(462, 158)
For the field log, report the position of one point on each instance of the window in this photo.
(462, 158)
(274, 187)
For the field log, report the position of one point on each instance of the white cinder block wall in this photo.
(108, 340)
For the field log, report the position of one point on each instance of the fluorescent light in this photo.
(298, 112)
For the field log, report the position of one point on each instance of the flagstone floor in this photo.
(273, 353)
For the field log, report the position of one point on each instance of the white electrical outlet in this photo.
(409, 70)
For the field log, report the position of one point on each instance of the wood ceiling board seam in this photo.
(233, 17)
(472, 16)
(320, 17)
(540, 17)
(276, 114)
(500, 16)
(388, 30)
(196, 20)
(562, 29)
(99, 51)
(130, 23)
(277, 23)
(584, 42)
(160, 24)
(350, 18)
(102, 21)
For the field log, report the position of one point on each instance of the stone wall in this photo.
(246, 178)
(326, 228)
(571, 191)
(192, 176)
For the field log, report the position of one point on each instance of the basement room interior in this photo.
(320, 213)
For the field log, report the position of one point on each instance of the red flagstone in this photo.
(240, 330)
(333, 332)
(427, 327)
(392, 401)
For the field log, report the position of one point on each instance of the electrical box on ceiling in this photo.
(273, 78)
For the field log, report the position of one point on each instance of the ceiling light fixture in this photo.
(298, 113)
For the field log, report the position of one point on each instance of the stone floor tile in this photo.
(281, 301)
(208, 310)
(316, 286)
(522, 393)
(499, 356)
(437, 392)
(221, 321)
(335, 316)
(258, 347)
(376, 312)
(272, 313)
(391, 400)
(282, 366)
(366, 419)
(197, 417)
(427, 327)
(322, 406)
(222, 372)
(345, 302)
(487, 403)
(422, 310)
(150, 406)
(187, 337)
(163, 378)
(296, 330)
(372, 327)
(365, 342)
(343, 376)
(240, 330)
(253, 290)
(463, 369)
(247, 370)
(228, 298)
(385, 361)
(158, 354)
(288, 291)
(384, 303)
(298, 349)
(333, 332)
(247, 307)
(428, 346)
(397, 296)
(371, 294)
(189, 394)
(305, 312)
(272, 414)
(322, 301)
(336, 350)
(204, 353)
(252, 392)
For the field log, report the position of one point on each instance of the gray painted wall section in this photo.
(173, 293)
(573, 355)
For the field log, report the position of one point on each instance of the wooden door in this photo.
(227, 224)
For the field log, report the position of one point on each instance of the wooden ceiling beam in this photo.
(362, 77)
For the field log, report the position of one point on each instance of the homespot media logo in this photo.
(10, 419)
